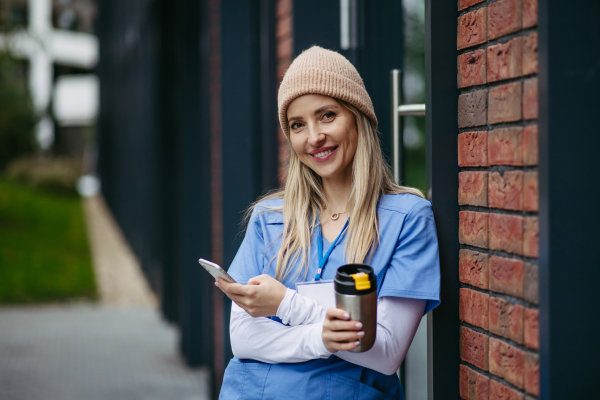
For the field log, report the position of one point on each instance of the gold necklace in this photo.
(336, 215)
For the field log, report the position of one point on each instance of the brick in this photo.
(505, 60)
(471, 68)
(530, 284)
(532, 373)
(473, 385)
(473, 307)
(506, 233)
(498, 391)
(530, 191)
(284, 7)
(530, 237)
(530, 145)
(504, 103)
(506, 275)
(506, 319)
(474, 347)
(472, 29)
(530, 98)
(473, 188)
(506, 190)
(530, 54)
(463, 382)
(472, 109)
(282, 67)
(284, 26)
(506, 361)
(473, 149)
(473, 228)
(504, 17)
(530, 13)
(284, 48)
(532, 328)
(473, 268)
(505, 146)
(462, 4)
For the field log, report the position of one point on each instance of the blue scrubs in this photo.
(406, 263)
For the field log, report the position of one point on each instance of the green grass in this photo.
(44, 251)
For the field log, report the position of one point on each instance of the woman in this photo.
(340, 205)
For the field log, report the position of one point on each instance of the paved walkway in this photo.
(92, 352)
(119, 277)
(119, 348)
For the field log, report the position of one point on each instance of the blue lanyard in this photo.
(323, 259)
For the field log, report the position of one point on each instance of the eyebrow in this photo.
(318, 111)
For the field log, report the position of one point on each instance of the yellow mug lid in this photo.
(361, 281)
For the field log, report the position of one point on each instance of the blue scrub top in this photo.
(406, 264)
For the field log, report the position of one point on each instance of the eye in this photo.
(295, 126)
(328, 116)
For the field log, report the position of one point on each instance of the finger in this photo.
(233, 288)
(257, 280)
(222, 283)
(344, 336)
(337, 313)
(340, 325)
(345, 346)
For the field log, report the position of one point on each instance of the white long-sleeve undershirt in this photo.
(263, 339)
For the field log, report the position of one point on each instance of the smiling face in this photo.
(323, 135)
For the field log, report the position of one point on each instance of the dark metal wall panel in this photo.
(316, 22)
(154, 152)
(569, 144)
(249, 117)
(169, 104)
(194, 217)
(128, 49)
(442, 186)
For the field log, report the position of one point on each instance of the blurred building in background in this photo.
(56, 41)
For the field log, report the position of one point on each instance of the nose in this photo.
(315, 137)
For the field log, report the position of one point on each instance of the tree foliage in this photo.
(17, 114)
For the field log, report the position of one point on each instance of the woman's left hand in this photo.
(260, 297)
(339, 333)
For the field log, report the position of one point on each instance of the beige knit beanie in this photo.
(321, 71)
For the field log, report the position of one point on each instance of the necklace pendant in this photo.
(335, 216)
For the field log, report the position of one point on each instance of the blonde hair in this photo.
(303, 200)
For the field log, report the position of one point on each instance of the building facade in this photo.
(189, 138)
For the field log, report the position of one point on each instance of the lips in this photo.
(323, 153)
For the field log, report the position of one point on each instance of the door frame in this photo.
(443, 358)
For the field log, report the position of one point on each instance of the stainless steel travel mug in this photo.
(355, 288)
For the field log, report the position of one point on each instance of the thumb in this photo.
(257, 280)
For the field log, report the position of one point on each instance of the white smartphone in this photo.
(215, 270)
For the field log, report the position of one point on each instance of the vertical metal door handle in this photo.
(399, 110)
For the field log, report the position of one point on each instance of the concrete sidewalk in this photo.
(92, 352)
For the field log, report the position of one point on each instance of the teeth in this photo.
(324, 153)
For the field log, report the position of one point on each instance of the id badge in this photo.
(320, 291)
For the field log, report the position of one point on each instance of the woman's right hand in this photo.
(338, 332)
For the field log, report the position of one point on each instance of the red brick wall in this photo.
(285, 48)
(498, 181)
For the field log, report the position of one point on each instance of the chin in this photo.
(326, 174)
